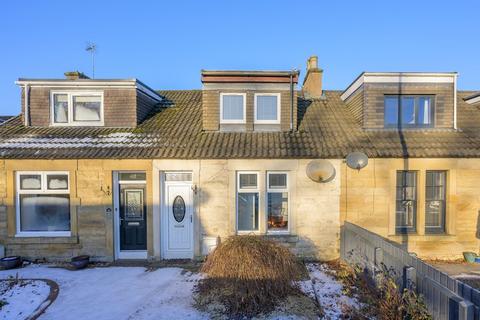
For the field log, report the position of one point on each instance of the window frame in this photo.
(236, 121)
(404, 228)
(275, 190)
(441, 229)
(416, 98)
(247, 190)
(43, 190)
(277, 121)
(131, 181)
(70, 120)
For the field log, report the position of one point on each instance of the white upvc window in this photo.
(267, 108)
(233, 108)
(76, 108)
(277, 201)
(43, 204)
(247, 201)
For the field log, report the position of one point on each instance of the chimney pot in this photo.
(312, 84)
(312, 63)
(75, 75)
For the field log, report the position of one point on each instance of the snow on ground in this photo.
(133, 293)
(22, 299)
(117, 293)
(328, 291)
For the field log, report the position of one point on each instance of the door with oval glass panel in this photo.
(178, 220)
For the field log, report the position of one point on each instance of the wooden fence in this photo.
(445, 297)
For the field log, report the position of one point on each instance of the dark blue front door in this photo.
(133, 217)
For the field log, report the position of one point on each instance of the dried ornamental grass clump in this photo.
(382, 299)
(248, 275)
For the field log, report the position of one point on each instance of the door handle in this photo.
(191, 219)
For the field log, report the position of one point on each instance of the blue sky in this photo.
(166, 44)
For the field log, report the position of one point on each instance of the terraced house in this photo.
(117, 170)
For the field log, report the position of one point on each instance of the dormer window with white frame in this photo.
(77, 108)
(233, 108)
(267, 108)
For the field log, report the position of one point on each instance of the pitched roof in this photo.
(327, 129)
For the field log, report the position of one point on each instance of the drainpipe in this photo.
(27, 105)
(455, 102)
(291, 101)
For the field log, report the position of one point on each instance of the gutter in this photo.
(291, 101)
(91, 84)
(398, 77)
(254, 73)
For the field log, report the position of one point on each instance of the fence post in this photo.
(378, 256)
(409, 277)
(465, 310)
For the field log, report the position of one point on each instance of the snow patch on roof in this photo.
(118, 139)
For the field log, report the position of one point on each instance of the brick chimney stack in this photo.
(312, 84)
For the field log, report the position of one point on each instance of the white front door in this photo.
(177, 219)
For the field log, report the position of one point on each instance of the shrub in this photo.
(390, 302)
(248, 275)
(383, 301)
(396, 305)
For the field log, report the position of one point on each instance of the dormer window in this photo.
(267, 108)
(77, 108)
(232, 107)
(408, 111)
(249, 101)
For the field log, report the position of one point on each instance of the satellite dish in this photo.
(357, 160)
(320, 171)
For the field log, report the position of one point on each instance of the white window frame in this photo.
(277, 121)
(131, 181)
(71, 94)
(228, 121)
(180, 181)
(247, 190)
(277, 190)
(42, 190)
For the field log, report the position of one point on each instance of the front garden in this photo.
(246, 277)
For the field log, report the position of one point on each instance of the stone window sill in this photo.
(42, 240)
